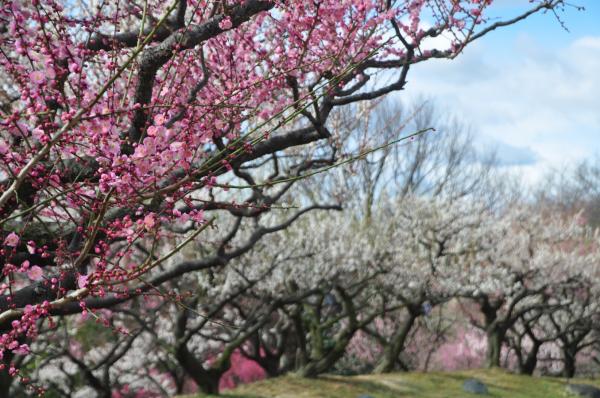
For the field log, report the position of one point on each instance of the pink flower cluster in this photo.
(73, 128)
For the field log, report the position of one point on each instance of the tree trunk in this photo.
(569, 357)
(5, 382)
(207, 380)
(270, 364)
(301, 354)
(322, 360)
(495, 338)
(530, 363)
(325, 363)
(495, 331)
(395, 347)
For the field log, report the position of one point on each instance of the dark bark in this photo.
(527, 367)
(495, 331)
(206, 379)
(270, 357)
(5, 379)
(326, 361)
(322, 359)
(153, 58)
(35, 293)
(495, 338)
(396, 345)
(569, 362)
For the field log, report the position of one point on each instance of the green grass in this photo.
(501, 384)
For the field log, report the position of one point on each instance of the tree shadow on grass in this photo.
(225, 396)
(432, 387)
(378, 389)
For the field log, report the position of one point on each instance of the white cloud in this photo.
(508, 155)
(589, 42)
(547, 101)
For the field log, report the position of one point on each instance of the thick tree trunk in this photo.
(270, 364)
(323, 364)
(210, 385)
(207, 380)
(569, 357)
(495, 330)
(395, 347)
(322, 360)
(531, 362)
(495, 338)
(268, 358)
(5, 382)
(301, 354)
(326, 359)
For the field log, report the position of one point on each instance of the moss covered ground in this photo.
(501, 384)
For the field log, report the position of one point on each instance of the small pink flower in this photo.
(140, 152)
(152, 131)
(23, 349)
(197, 215)
(35, 273)
(74, 67)
(82, 281)
(3, 147)
(38, 134)
(160, 119)
(149, 221)
(176, 146)
(37, 77)
(12, 240)
(225, 23)
(219, 124)
(50, 72)
(20, 47)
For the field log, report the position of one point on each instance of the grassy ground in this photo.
(426, 385)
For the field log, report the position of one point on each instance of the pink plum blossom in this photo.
(225, 23)
(35, 273)
(37, 77)
(12, 240)
(149, 221)
(23, 349)
(82, 281)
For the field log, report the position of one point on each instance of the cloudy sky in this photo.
(531, 91)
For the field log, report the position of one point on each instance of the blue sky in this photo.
(530, 91)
